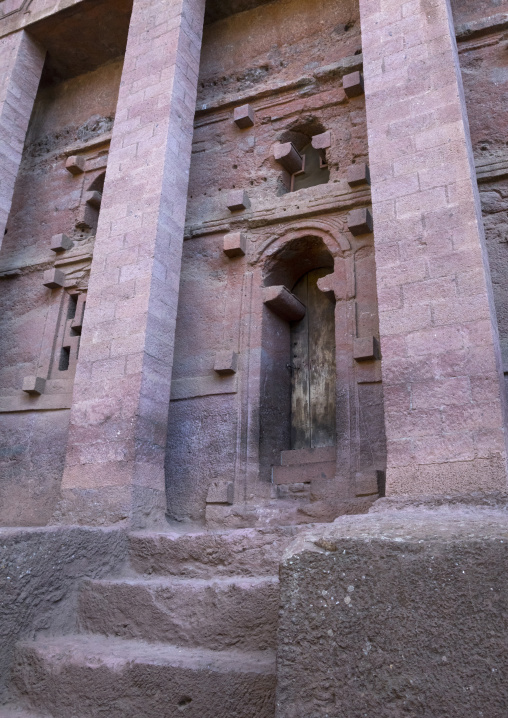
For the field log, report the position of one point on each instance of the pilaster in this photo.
(441, 365)
(115, 458)
(21, 62)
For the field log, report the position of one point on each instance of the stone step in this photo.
(306, 473)
(90, 676)
(216, 614)
(15, 711)
(318, 455)
(209, 554)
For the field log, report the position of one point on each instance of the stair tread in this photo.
(210, 554)
(173, 581)
(14, 711)
(248, 532)
(94, 650)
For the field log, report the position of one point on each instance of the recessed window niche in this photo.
(302, 154)
(297, 403)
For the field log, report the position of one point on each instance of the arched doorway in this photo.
(312, 341)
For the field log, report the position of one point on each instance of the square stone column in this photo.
(442, 372)
(21, 62)
(115, 457)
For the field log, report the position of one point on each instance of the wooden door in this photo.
(313, 366)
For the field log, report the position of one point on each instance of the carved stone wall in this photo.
(70, 129)
(218, 425)
(273, 76)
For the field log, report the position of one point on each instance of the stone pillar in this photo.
(441, 363)
(115, 457)
(21, 62)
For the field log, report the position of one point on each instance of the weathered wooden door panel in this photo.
(300, 384)
(313, 366)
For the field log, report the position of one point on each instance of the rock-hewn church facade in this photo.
(254, 332)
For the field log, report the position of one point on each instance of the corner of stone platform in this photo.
(400, 611)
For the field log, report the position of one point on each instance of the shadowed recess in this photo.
(83, 37)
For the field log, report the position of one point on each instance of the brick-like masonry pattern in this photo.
(441, 370)
(21, 60)
(119, 415)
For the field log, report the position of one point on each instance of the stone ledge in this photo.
(194, 387)
(485, 26)
(333, 71)
(42, 402)
(305, 203)
(491, 169)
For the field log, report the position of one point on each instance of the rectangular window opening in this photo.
(65, 357)
(71, 307)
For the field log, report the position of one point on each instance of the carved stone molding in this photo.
(10, 7)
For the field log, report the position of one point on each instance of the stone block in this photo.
(60, 242)
(243, 116)
(234, 244)
(34, 385)
(402, 608)
(322, 141)
(353, 84)
(366, 348)
(369, 483)
(53, 278)
(226, 362)
(283, 303)
(75, 164)
(358, 174)
(288, 157)
(238, 199)
(317, 455)
(94, 199)
(359, 222)
(88, 217)
(221, 492)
